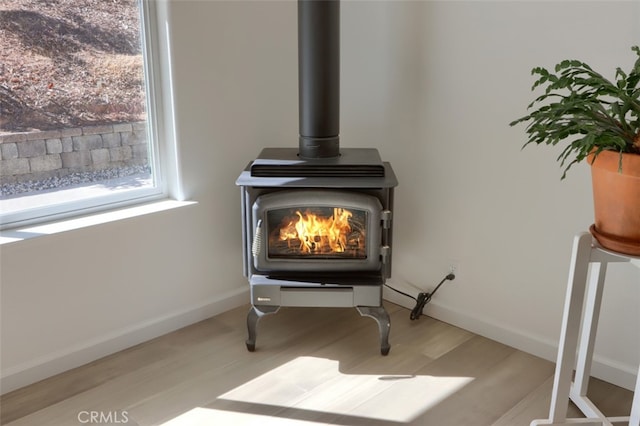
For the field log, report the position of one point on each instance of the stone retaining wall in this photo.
(34, 156)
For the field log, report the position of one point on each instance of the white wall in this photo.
(433, 86)
(458, 73)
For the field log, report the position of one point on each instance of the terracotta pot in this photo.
(616, 198)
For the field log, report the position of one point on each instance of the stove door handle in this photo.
(385, 217)
(385, 258)
(256, 246)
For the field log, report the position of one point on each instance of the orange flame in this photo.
(317, 234)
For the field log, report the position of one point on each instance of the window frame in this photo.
(162, 149)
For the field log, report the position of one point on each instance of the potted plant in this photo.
(599, 120)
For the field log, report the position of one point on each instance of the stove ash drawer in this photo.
(317, 297)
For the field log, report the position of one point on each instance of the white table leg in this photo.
(589, 328)
(634, 420)
(571, 317)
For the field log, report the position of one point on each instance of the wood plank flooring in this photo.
(311, 366)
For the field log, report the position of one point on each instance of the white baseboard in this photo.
(603, 368)
(85, 352)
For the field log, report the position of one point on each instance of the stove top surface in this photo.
(355, 167)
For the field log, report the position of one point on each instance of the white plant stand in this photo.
(583, 325)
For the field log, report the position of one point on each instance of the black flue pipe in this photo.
(319, 78)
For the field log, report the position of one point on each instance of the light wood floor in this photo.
(310, 367)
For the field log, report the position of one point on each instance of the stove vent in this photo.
(306, 170)
(285, 162)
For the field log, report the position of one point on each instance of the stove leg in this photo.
(252, 322)
(381, 316)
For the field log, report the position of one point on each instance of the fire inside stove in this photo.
(323, 232)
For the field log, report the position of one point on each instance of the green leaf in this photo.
(583, 110)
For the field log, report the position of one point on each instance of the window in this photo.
(80, 94)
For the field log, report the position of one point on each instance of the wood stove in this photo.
(317, 220)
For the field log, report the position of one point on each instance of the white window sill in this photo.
(33, 231)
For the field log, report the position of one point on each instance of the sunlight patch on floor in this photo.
(208, 416)
(312, 390)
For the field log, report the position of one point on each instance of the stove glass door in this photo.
(317, 230)
(334, 232)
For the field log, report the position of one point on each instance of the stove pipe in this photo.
(319, 78)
